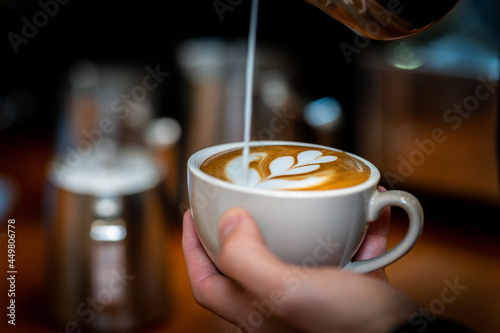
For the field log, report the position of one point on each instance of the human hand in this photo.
(260, 293)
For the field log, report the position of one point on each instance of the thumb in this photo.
(244, 255)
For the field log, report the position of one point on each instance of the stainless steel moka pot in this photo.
(104, 211)
(106, 241)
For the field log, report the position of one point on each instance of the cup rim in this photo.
(195, 160)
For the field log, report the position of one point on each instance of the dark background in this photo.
(147, 33)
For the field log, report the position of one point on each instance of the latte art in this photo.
(284, 167)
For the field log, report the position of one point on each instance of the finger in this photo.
(375, 242)
(210, 289)
(245, 257)
(198, 263)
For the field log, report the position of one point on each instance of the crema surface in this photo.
(289, 167)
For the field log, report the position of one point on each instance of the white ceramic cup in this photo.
(308, 228)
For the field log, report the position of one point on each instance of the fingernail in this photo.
(228, 223)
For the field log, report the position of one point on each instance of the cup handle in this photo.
(377, 203)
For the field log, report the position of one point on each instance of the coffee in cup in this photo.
(289, 167)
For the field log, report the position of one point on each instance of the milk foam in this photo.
(288, 167)
(306, 162)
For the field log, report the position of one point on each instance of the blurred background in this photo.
(102, 103)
